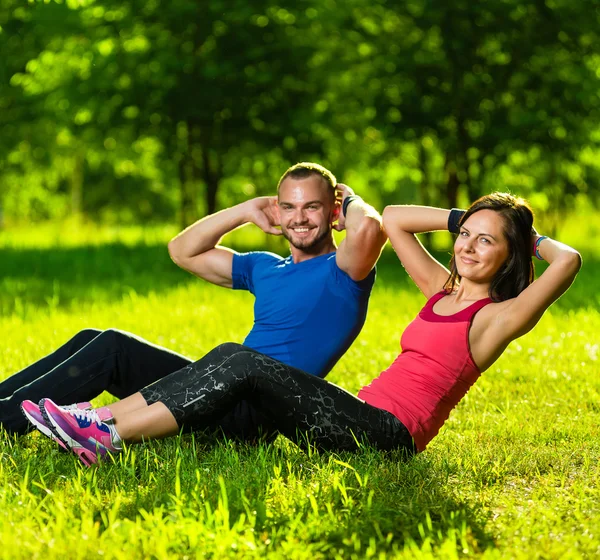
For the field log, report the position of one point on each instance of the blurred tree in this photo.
(126, 110)
(200, 79)
(21, 143)
(470, 84)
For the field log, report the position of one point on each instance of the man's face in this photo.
(306, 209)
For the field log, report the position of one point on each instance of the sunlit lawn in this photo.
(513, 474)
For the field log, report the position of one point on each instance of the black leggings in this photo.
(116, 361)
(304, 408)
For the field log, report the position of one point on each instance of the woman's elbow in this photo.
(571, 262)
(387, 211)
(575, 261)
(387, 216)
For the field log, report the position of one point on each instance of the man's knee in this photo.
(117, 338)
(86, 335)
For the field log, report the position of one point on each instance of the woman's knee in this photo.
(230, 347)
(229, 357)
(226, 350)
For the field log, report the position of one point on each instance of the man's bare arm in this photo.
(365, 237)
(197, 250)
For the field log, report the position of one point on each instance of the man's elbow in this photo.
(370, 244)
(175, 252)
(370, 231)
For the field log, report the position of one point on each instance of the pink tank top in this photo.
(431, 375)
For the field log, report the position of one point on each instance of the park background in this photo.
(121, 122)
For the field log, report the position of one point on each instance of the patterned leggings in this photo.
(302, 407)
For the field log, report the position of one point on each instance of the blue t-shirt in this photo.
(306, 314)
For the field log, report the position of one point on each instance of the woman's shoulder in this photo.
(489, 335)
(489, 323)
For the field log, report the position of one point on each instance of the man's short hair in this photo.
(306, 169)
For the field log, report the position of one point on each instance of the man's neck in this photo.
(299, 255)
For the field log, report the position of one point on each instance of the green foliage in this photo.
(167, 92)
(514, 473)
(489, 96)
(126, 112)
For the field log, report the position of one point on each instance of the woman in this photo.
(486, 300)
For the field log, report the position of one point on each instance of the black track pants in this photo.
(91, 362)
(294, 403)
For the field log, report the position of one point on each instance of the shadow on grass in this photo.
(356, 497)
(334, 504)
(65, 277)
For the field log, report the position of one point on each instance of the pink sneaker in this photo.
(33, 413)
(85, 432)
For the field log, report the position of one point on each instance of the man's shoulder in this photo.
(327, 266)
(362, 285)
(259, 257)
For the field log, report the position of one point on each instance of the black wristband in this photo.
(454, 219)
(347, 201)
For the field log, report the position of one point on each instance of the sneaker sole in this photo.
(38, 426)
(43, 428)
(59, 434)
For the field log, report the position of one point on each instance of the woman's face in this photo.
(481, 247)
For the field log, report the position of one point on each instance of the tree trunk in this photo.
(188, 199)
(212, 178)
(424, 197)
(188, 193)
(76, 181)
(464, 144)
(452, 182)
(556, 194)
(424, 193)
(212, 168)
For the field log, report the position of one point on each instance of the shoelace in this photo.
(90, 415)
(93, 417)
(68, 407)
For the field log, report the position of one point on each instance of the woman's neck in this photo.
(471, 291)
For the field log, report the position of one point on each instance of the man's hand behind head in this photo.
(264, 212)
(341, 192)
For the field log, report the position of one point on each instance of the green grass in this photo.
(513, 474)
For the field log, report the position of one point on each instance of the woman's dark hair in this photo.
(517, 272)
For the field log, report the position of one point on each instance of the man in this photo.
(309, 306)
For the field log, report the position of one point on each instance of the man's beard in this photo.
(307, 246)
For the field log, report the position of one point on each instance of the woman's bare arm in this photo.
(401, 223)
